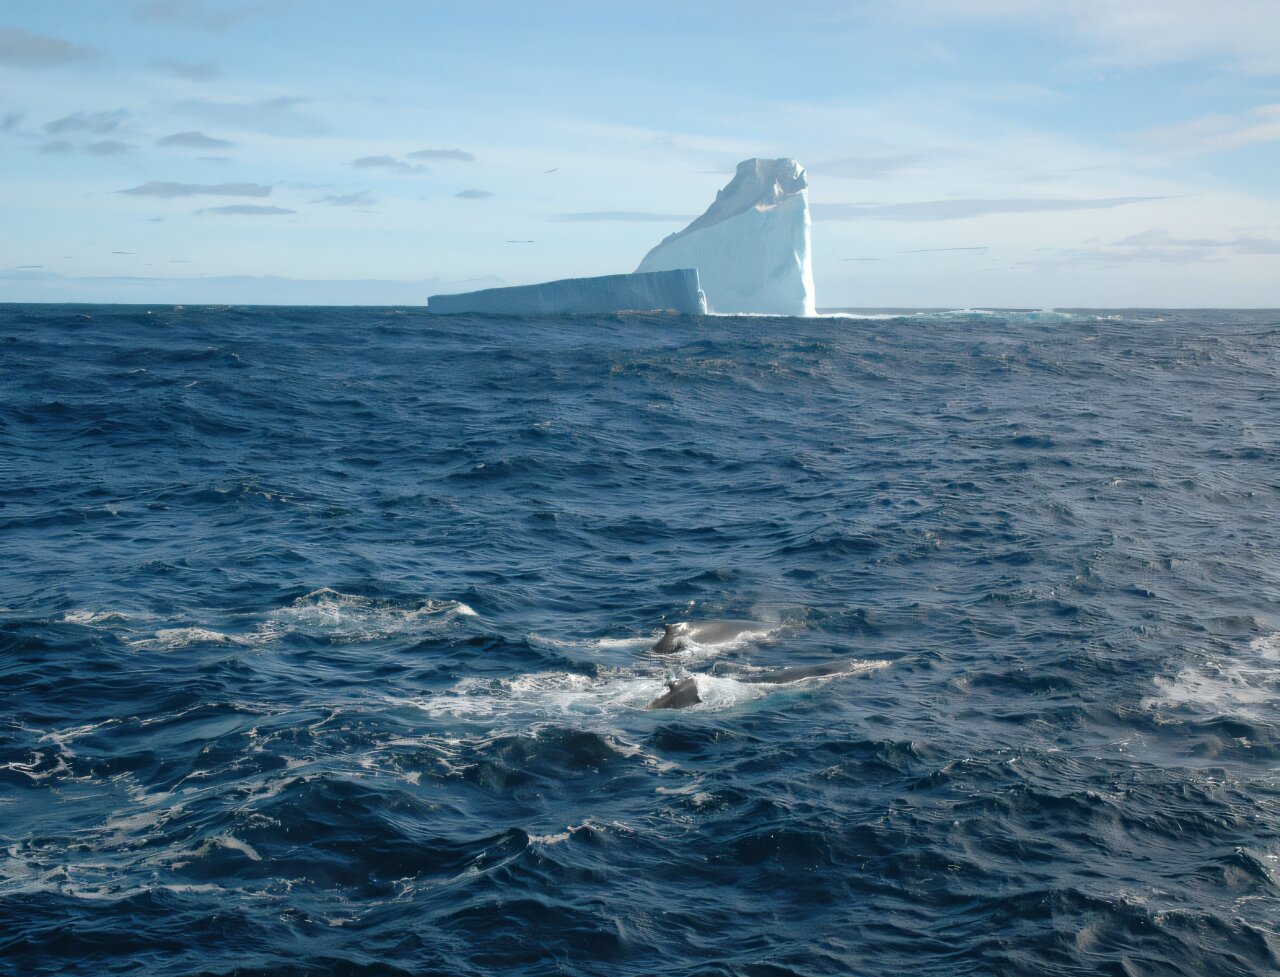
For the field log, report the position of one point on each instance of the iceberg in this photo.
(674, 289)
(749, 253)
(752, 246)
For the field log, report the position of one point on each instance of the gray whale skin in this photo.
(714, 632)
(682, 693)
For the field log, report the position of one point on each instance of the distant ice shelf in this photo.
(674, 289)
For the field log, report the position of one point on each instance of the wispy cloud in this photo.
(385, 163)
(1136, 33)
(162, 188)
(443, 154)
(361, 198)
(1155, 246)
(863, 167)
(272, 116)
(981, 247)
(57, 147)
(941, 210)
(194, 13)
(23, 49)
(99, 122)
(187, 70)
(1159, 238)
(473, 194)
(9, 121)
(194, 140)
(252, 210)
(108, 147)
(1217, 133)
(625, 216)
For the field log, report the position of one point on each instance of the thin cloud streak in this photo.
(941, 210)
(194, 140)
(252, 210)
(193, 13)
(361, 198)
(624, 216)
(108, 147)
(187, 70)
(97, 122)
(459, 155)
(270, 116)
(385, 163)
(23, 49)
(168, 190)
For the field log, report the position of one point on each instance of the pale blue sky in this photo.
(960, 152)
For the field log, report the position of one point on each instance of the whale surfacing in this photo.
(680, 693)
(715, 632)
(797, 673)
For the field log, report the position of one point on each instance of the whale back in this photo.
(680, 693)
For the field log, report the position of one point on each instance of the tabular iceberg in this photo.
(751, 247)
(675, 290)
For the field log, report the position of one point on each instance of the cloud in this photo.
(193, 13)
(187, 70)
(626, 216)
(9, 121)
(1158, 238)
(162, 188)
(99, 122)
(443, 154)
(25, 267)
(1135, 33)
(863, 167)
(57, 146)
(271, 116)
(251, 209)
(982, 247)
(361, 198)
(194, 140)
(941, 210)
(1155, 246)
(108, 147)
(1217, 133)
(385, 163)
(22, 49)
(473, 194)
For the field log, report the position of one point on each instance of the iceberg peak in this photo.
(752, 245)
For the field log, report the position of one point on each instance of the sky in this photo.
(960, 153)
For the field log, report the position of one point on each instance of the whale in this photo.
(680, 693)
(797, 673)
(713, 632)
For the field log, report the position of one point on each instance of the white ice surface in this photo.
(752, 246)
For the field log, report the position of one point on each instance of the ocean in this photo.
(325, 643)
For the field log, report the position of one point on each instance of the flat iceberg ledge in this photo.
(676, 290)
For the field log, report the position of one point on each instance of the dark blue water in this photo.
(322, 643)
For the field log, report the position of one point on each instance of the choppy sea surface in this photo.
(323, 643)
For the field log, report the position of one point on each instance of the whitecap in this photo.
(172, 639)
(349, 618)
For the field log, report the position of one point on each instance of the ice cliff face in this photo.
(676, 290)
(751, 247)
